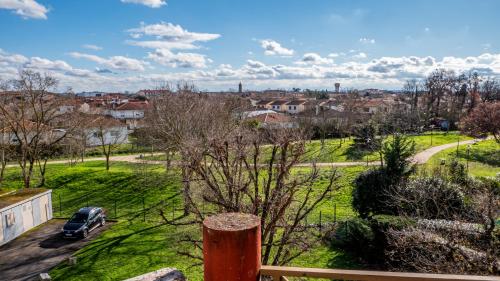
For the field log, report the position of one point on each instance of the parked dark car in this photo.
(84, 221)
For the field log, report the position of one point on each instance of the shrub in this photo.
(372, 189)
(430, 198)
(367, 239)
(370, 193)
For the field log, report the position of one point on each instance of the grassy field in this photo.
(140, 242)
(337, 150)
(483, 158)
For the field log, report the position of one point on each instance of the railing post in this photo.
(231, 247)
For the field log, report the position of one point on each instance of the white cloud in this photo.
(171, 33)
(314, 59)
(149, 3)
(186, 60)
(360, 55)
(163, 45)
(365, 40)
(25, 8)
(383, 72)
(114, 62)
(92, 47)
(272, 48)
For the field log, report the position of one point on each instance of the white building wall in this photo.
(115, 135)
(24, 215)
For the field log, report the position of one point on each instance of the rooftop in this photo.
(10, 198)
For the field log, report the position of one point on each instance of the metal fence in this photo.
(147, 208)
(141, 207)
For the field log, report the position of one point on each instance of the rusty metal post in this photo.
(231, 247)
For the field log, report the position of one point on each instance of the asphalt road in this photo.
(39, 250)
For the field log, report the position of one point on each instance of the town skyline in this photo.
(359, 44)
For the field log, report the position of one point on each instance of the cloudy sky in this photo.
(118, 45)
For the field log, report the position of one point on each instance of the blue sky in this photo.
(117, 45)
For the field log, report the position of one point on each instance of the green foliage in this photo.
(373, 189)
(366, 238)
(370, 193)
(397, 155)
(365, 136)
(458, 173)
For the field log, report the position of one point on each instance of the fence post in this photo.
(334, 213)
(116, 216)
(143, 209)
(231, 247)
(60, 205)
(173, 209)
(320, 221)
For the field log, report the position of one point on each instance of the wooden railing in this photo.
(279, 273)
(232, 251)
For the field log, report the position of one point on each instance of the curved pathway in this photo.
(419, 158)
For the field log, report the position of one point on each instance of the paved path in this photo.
(419, 158)
(39, 250)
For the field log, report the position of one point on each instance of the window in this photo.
(114, 133)
(10, 219)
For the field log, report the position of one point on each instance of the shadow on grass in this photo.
(356, 153)
(491, 158)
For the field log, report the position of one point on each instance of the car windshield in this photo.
(79, 218)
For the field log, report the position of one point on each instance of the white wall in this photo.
(114, 135)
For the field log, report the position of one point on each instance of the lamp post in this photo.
(368, 141)
(432, 132)
(468, 155)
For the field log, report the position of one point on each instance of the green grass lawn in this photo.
(337, 150)
(483, 159)
(133, 246)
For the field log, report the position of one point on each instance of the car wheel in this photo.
(103, 221)
(85, 233)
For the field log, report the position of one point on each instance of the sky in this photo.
(128, 45)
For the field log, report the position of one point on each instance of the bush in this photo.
(367, 238)
(370, 193)
(430, 198)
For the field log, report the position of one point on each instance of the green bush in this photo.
(370, 193)
(366, 238)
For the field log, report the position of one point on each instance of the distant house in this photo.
(90, 94)
(130, 112)
(152, 93)
(112, 130)
(296, 106)
(264, 104)
(279, 105)
(74, 104)
(274, 120)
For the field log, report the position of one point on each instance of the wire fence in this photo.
(140, 207)
(148, 209)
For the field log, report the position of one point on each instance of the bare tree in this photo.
(483, 120)
(109, 133)
(252, 171)
(29, 112)
(181, 123)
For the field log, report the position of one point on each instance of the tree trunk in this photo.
(3, 165)
(107, 161)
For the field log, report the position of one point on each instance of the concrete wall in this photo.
(24, 215)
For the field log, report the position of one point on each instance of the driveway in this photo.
(38, 251)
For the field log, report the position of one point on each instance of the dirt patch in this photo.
(39, 250)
